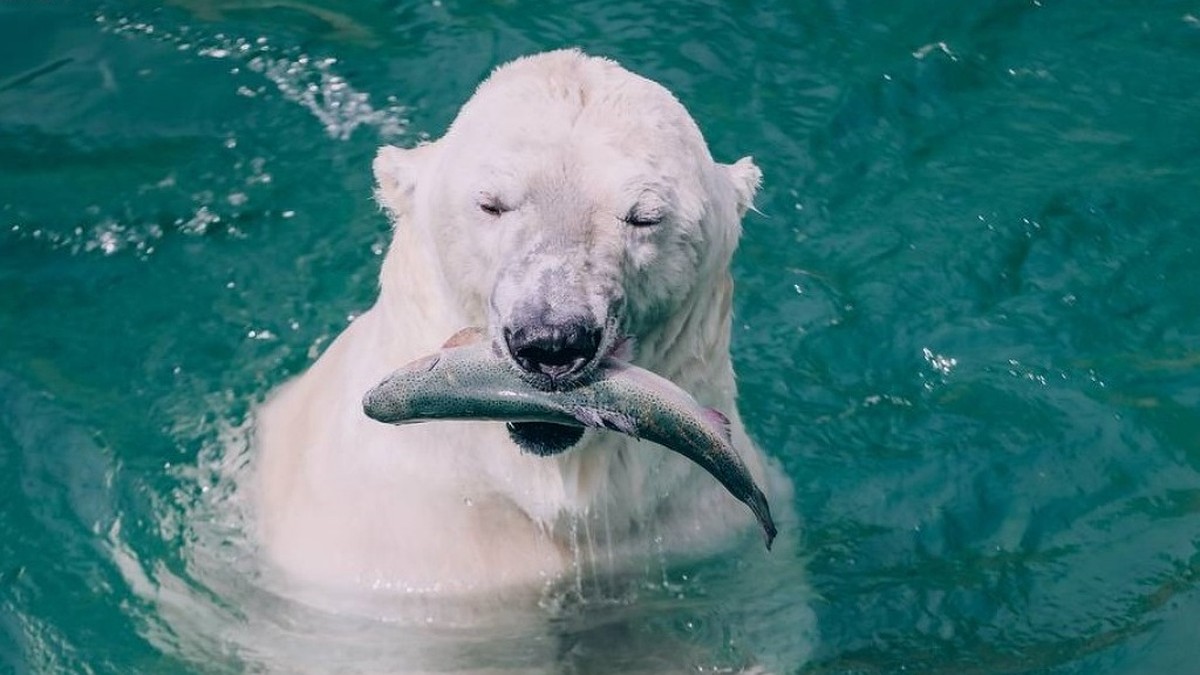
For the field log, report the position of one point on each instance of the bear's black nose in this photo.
(555, 350)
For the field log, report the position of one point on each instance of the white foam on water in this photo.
(310, 81)
(328, 96)
(107, 236)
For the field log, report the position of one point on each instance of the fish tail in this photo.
(762, 510)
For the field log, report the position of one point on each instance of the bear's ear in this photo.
(746, 177)
(397, 172)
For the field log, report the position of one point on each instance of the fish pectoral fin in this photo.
(588, 417)
(622, 423)
(605, 419)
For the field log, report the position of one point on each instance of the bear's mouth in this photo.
(546, 439)
(559, 357)
(560, 371)
(543, 439)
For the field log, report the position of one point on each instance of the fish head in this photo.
(399, 397)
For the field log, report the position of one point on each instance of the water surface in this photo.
(966, 324)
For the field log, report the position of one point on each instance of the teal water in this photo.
(968, 323)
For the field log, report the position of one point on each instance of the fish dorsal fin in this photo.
(467, 336)
(720, 420)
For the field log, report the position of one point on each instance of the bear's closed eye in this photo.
(640, 218)
(492, 206)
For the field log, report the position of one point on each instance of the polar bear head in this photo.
(570, 203)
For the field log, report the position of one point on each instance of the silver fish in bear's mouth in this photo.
(468, 380)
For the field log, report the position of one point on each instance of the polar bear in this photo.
(570, 203)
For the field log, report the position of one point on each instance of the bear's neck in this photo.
(691, 348)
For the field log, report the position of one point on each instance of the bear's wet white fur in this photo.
(600, 180)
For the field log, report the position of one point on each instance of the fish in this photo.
(469, 379)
